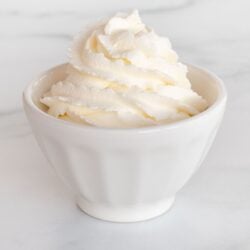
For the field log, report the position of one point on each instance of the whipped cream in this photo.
(121, 74)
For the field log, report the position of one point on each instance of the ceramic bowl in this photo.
(126, 175)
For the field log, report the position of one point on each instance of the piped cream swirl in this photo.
(122, 74)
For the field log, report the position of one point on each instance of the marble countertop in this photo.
(211, 212)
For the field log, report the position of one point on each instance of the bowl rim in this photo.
(221, 99)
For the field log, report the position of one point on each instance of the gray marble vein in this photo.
(164, 7)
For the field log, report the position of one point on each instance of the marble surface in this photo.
(213, 209)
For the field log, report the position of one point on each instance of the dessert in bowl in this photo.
(124, 123)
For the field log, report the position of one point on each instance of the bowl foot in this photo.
(125, 214)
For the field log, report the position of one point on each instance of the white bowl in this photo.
(126, 175)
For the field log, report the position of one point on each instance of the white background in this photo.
(211, 212)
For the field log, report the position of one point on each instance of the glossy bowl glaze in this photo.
(126, 175)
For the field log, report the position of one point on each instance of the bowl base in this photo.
(125, 214)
